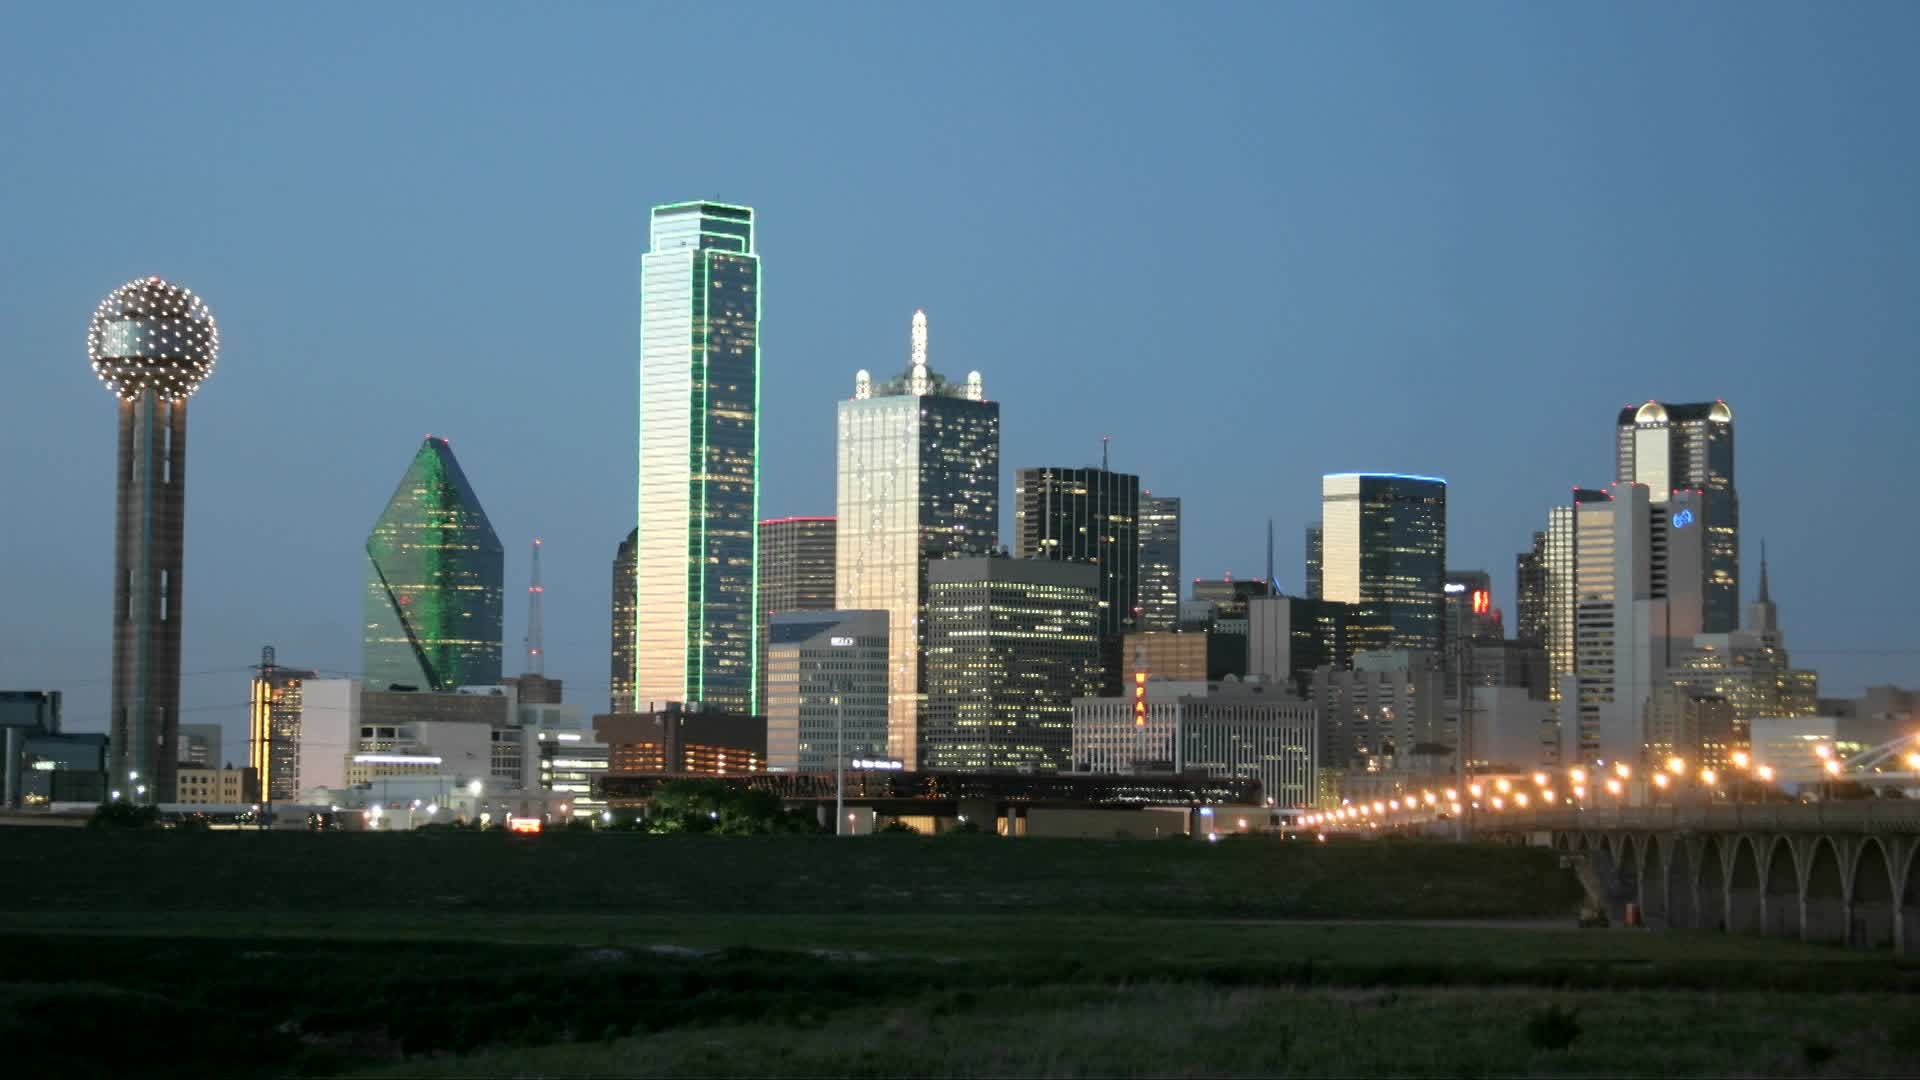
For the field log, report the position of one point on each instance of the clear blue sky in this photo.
(1252, 243)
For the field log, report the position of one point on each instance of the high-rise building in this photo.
(1159, 561)
(1291, 637)
(796, 574)
(1374, 715)
(1671, 449)
(696, 550)
(436, 580)
(1085, 516)
(1010, 644)
(151, 343)
(1229, 598)
(826, 688)
(1749, 669)
(1560, 600)
(275, 712)
(624, 606)
(1316, 556)
(919, 479)
(1470, 614)
(1189, 654)
(1530, 591)
(200, 745)
(1384, 547)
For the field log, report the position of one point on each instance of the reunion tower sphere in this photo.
(151, 334)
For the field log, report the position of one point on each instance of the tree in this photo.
(124, 815)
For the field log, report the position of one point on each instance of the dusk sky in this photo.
(1253, 244)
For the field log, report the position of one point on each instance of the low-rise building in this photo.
(199, 785)
(680, 738)
(1232, 728)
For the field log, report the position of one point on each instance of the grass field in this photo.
(474, 955)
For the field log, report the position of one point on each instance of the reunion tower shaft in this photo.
(151, 343)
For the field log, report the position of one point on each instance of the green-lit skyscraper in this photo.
(436, 575)
(695, 552)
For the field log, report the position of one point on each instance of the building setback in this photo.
(435, 580)
(620, 648)
(826, 688)
(918, 480)
(796, 573)
(1010, 644)
(1688, 448)
(1384, 548)
(1159, 561)
(699, 487)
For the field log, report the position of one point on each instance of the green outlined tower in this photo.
(436, 576)
(696, 549)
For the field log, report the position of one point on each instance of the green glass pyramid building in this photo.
(436, 576)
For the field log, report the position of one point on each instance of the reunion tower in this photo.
(152, 343)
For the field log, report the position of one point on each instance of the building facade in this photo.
(1229, 728)
(1316, 554)
(1530, 592)
(624, 605)
(435, 582)
(918, 480)
(1373, 716)
(151, 343)
(826, 689)
(1384, 548)
(1688, 448)
(1159, 561)
(682, 740)
(1470, 614)
(275, 711)
(1010, 644)
(699, 496)
(200, 745)
(796, 573)
(1085, 516)
(1290, 637)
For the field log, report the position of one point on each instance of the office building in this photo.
(1374, 716)
(1384, 548)
(680, 739)
(1229, 728)
(200, 745)
(796, 574)
(1560, 599)
(533, 689)
(1291, 637)
(624, 601)
(1159, 561)
(918, 480)
(1530, 592)
(1316, 555)
(826, 689)
(1697, 728)
(1227, 599)
(275, 710)
(1470, 614)
(1791, 745)
(151, 344)
(436, 579)
(212, 785)
(1512, 729)
(1190, 654)
(1511, 663)
(1010, 644)
(1671, 449)
(42, 764)
(1085, 516)
(696, 556)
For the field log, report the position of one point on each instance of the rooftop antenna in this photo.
(536, 639)
(1104, 440)
(1273, 587)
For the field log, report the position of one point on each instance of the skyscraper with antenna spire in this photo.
(532, 687)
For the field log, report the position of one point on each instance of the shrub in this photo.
(1552, 1028)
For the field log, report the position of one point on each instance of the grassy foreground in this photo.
(468, 955)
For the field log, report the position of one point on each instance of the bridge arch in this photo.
(1823, 903)
(1780, 896)
(1713, 898)
(1907, 888)
(1653, 879)
(1626, 866)
(1742, 876)
(1682, 909)
(1871, 911)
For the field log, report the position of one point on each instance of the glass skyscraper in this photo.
(699, 492)
(1085, 516)
(1689, 448)
(436, 576)
(621, 647)
(796, 574)
(919, 479)
(1384, 546)
(1159, 561)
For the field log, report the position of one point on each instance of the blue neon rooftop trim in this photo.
(1387, 476)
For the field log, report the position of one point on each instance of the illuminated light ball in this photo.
(151, 334)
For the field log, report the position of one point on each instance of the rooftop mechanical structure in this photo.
(152, 343)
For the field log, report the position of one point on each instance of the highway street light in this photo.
(1622, 770)
(1577, 774)
(1677, 766)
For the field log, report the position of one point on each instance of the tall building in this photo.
(1561, 596)
(436, 580)
(1010, 644)
(918, 480)
(796, 574)
(1384, 546)
(275, 712)
(151, 343)
(1749, 669)
(1470, 614)
(624, 603)
(1689, 448)
(1530, 591)
(1085, 516)
(1291, 637)
(1373, 716)
(200, 745)
(826, 688)
(1159, 561)
(1316, 558)
(696, 551)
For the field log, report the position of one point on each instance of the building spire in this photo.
(1765, 596)
(536, 636)
(917, 376)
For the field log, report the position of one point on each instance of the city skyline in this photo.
(1634, 334)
